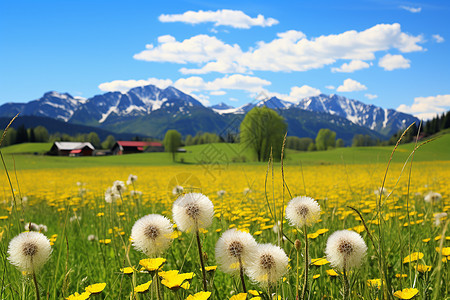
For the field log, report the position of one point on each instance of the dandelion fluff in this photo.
(302, 211)
(269, 265)
(152, 234)
(192, 211)
(29, 251)
(234, 246)
(431, 197)
(345, 249)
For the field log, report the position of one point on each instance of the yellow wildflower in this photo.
(406, 293)
(199, 296)
(240, 296)
(95, 288)
(142, 288)
(152, 264)
(413, 257)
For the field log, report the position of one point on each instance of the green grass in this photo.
(223, 153)
(27, 148)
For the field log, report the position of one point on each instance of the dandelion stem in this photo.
(297, 287)
(241, 273)
(305, 285)
(38, 297)
(202, 264)
(346, 285)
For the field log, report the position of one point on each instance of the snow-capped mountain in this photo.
(385, 121)
(149, 108)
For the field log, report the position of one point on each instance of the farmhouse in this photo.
(128, 147)
(71, 149)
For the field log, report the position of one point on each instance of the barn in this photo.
(129, 147)
(71, 149)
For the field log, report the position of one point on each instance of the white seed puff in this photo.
(232, 246)
(269, 265)
(192, 211)
(29, 251)
(302, 211)
(152, 234)
(345, 249)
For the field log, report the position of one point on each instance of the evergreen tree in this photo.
(22, 135)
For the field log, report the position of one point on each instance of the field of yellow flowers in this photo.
(93, 257)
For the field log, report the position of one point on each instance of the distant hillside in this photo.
(54, 126)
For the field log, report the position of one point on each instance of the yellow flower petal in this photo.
(199, 296)
(241, 296)
(406, 293)
(82, 296)
(142, 288)
(413, 257)
(95, 288)
(152, 264)
(319, 261)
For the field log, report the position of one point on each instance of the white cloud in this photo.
(233, 99)
(427, 107)
(125, 85)
(290, 51)
(391, 62)
(351, 85)
(438, 38)
(224, 17)
(371, 96)
(295, 94)
(330, 87)
(303, 92)
(412, 9)
(217, 93)
(352, 66)
(197, 49)
(233, 82)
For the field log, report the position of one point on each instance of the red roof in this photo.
(138, 144)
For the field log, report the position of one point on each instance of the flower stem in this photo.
(202, 264)
(297, 287)
(241, 273)
(305, 285)
(38, 297)
(346, 284)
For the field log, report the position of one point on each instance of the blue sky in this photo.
(394, 54)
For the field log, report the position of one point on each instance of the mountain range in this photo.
(151, 111)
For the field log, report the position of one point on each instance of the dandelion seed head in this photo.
(345, 249)
(302, 211)
(151, 234)
(193, 211)
(432, 197)
(269, 266)
(234, 246)
(29, 251)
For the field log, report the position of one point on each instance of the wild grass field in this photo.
(91, 244)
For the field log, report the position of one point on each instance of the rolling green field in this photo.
(21, 156)
(91, 235)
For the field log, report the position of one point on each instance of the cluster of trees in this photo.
(202, 138)
(40, 134)
(325, 140)
(13, 136)
(437, 124)
(430, 127)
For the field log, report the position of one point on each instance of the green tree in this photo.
(261, 130)
(172, 141)
(94, 140)
(10, 137)
(326, 139)
(340, 143)
(41, 134)
(109, 142)
(22, 135)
